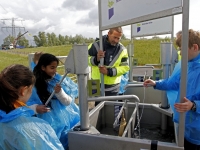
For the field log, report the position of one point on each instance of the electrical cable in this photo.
(4, 8)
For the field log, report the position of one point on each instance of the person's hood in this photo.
(21, 111)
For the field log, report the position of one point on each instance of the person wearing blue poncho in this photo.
(20, 131)
(191, 104)
(171, 94)
(61, 112)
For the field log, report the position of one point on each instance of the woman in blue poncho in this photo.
(19, 130)
(191, 104)
(61, 113)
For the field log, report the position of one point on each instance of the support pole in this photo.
(101, 48)
(166, 56)
(184, 68)
(130, 55)
(82, 71)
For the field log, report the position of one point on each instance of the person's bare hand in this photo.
(149, 82)
(103, 70)
(100, 54)
(40, 109)
(37, 56)
(57, 88)
(183, 107)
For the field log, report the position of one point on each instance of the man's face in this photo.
(114, 37)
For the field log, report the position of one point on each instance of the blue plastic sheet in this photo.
(32, 65)
(21, 131)
(172, 94)
(61, 118)
(124, 82)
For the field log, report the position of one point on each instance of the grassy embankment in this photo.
(146, 51)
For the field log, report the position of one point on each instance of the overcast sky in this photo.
(66, 17)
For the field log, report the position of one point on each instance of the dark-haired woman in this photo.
(18, 129)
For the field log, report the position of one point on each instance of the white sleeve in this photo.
(63, 97)
(33, 107)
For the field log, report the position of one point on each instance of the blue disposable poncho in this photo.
(192, 119)
(172, 94)
(32, 65)
(22, 132)
(123, 83)
(61, 118)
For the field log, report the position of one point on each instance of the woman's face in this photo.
(51, 68)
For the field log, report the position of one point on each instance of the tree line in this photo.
(50, 39)
(22, 41)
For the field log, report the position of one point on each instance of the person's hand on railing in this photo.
(149, 82)
(57, 88)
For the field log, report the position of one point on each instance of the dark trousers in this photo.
(190, 146)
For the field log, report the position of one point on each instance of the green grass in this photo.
(146, 51)
(56, 50)
(10, 57)
(7, 59)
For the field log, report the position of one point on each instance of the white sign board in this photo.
(152, 27)
(122, 12)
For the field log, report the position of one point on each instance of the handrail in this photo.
(113, 98)
(153, 64)
(143, 67)
(136, 85)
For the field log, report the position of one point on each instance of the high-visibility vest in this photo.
(179, 55)
(121, 67)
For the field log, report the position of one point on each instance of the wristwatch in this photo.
(193, 106)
